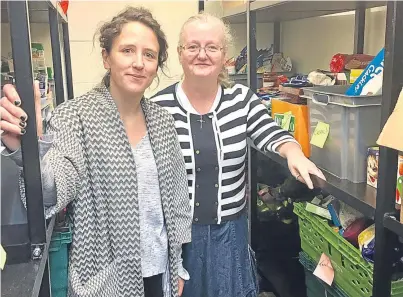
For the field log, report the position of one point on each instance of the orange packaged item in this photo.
(295, 119)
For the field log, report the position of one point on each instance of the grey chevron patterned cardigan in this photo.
(94, 170)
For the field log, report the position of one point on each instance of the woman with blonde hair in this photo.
(213, 120)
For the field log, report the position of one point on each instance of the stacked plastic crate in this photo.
(352, 273)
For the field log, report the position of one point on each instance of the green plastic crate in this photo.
(352, 273)
(58, 261)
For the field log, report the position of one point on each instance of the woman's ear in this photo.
(179, 51)
(105, 58)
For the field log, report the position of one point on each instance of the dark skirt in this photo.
(220, 261)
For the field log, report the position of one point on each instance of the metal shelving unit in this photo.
(360, 196)
(281, 11)
(31, 277)
(374, 203)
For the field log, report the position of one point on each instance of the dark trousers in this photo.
(153, 286)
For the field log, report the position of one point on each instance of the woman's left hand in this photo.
(181, 284)
(300, 166)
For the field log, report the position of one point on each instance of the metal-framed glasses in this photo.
(196, 48)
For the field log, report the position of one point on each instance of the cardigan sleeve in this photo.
(182, 211)
(61, 160)
(65, 156)
(262, 129)
(47, 176)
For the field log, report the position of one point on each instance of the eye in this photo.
(150, 55)
(127, 50)
(213, 48)
(192, 47)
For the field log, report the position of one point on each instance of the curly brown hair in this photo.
(112, 29)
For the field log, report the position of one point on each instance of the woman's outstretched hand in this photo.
(300, 166)
(14, 118)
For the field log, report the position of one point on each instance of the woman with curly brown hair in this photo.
(114, 157)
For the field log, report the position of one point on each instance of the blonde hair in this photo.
(223, 78)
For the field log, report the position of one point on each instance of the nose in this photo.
(138, 61)
(202, 54)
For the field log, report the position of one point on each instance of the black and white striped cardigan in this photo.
(238, 115)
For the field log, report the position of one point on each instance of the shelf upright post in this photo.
(67, 59)
(359, 28)
(252, 153)
(45, 288)
(251, 47)
(56, 55)
(201, 5)
(277, 38)
(21, 49)
(252, 195)
(385, 201)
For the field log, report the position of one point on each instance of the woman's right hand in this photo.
(14, 119)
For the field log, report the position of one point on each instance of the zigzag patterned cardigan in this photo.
(95, 173)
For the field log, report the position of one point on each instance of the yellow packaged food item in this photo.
(366, 236)
(354, 74)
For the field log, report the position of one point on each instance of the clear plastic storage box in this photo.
(354, 123)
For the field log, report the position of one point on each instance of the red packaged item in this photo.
(337, 63)
(351, 232)
(282, 79)
(64, 4)
(341, 62)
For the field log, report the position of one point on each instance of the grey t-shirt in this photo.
(153, 235)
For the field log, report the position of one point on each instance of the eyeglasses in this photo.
(195, 48)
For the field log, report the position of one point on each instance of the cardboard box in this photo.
(392, 133)
(293, 94)
(291, 90)
(372, 172)
(392, 137)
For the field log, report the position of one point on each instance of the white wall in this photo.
(264, 39)
(214, 7)
(311, 43)
(86, 58)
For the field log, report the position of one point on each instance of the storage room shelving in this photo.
(374, 203)
(30, 277)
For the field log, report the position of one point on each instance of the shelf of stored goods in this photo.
(377, 203)
(29, 276)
